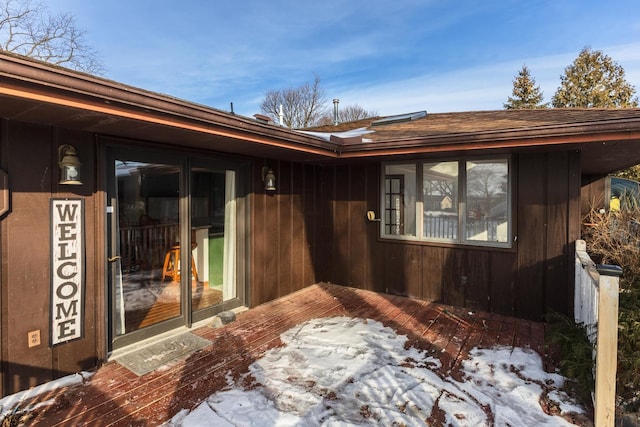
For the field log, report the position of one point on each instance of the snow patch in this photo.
(9, 403)
(343, 371)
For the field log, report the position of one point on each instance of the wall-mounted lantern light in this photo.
(268, 178)
(69, 165)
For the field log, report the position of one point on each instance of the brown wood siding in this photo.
(557, 231)
(454, 277)
(31, 152)
(433, 269)
(310, 216)
(478, 280)
(592, 196)
(413, 265)
(532, 234)
(28, 270)
(374, 253)
(341, 259)
(283, 231)
(394, 274)
(285, 240)
(261, 242)
(502, 283)
(298, 245)
(358, 231)
(326, 211)
(548, 226)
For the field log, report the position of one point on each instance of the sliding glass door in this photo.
(173, 241)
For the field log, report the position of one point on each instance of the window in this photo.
(460, 201)
(400, 200)
(440, 188)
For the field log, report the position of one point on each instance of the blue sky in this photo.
(391, 56)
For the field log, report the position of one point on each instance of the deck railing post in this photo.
(596, 308)
(607, 345)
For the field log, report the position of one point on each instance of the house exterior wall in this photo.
(29, 156)
(28, 153)
(525, 280)
(592, 196)
(285, 231)
(283, 234)
(313, 228)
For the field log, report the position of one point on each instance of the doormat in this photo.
(152, 357)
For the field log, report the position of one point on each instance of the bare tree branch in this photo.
(26, 28)
(302, 107)
(348, 113)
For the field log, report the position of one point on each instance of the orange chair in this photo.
(171, 266)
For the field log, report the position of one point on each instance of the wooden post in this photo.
(607, 345)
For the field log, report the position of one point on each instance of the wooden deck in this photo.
(116, 396)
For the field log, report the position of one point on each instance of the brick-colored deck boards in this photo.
(262, 331)
(115, 396)
(476, 332)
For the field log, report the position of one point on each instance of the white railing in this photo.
(596, 307)
(446, 227)
(586, 292)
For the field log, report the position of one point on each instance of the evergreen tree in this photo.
(594, 80)
(631, 173)
(526, 95)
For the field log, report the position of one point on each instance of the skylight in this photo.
(399, 118)
(354, 133)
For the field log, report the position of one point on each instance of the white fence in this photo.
(596, 307)
(586, 292)
(446, 227)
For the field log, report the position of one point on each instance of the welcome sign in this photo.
(67, 270)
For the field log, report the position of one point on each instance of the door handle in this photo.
(114, 258)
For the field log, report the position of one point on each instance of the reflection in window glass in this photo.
(213, 214)
(400, 200)
(440, 187)
(456, 201)
(146, 289)
(487, 201)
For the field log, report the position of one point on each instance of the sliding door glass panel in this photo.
(213, 232)
(147, 286)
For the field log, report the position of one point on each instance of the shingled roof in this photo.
(472, 122)
(608, 139)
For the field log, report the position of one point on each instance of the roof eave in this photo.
(628, 129)
(27, 79)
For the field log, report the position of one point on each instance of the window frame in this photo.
(462, 206)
